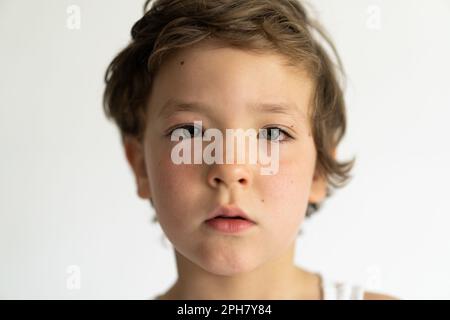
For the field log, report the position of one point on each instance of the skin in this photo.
(258, 263)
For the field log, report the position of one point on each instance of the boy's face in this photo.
(228, 82)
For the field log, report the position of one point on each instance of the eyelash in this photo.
(172, 129)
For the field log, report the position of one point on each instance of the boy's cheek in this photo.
(175, 179)
(279, 192)
(292, 181)
(175, 192)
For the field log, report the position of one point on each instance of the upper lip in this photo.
(228, 211)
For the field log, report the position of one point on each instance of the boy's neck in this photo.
(278, 279)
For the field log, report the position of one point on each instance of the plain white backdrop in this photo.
(72, 225)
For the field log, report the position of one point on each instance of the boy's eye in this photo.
(190, 131)
(274, 134)
(187, 131)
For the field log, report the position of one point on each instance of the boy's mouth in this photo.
(224, 217)
(229, 219)
(229, 212)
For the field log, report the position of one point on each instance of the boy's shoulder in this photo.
(378, 296)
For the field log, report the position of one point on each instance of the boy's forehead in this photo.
(210, 48)
(176, 105)
(190, 87)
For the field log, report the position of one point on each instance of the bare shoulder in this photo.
(378, 296)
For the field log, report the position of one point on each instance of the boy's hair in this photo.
(281, 26)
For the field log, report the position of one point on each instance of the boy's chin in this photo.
(229, 268)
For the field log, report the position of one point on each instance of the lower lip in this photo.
(229, 225)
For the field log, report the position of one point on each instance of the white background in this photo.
(67, 195)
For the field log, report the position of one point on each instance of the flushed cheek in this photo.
(284, 216)
(285, 194)
(176, 189)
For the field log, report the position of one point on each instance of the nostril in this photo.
(217, 181)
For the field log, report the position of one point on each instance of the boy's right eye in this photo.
(186, 131)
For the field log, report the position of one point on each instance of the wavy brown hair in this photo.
(276, 26)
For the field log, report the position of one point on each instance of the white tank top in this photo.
(332, 290)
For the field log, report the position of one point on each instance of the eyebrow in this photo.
(174, 106)
(281, 108)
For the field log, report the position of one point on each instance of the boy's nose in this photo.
(229, 175)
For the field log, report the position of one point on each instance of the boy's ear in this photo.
(136, 158)
(319, 186)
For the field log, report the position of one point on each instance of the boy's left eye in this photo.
(275, 133)
(188, 131)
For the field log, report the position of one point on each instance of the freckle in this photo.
(262, 200)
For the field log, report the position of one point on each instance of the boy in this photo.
(232, 65)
